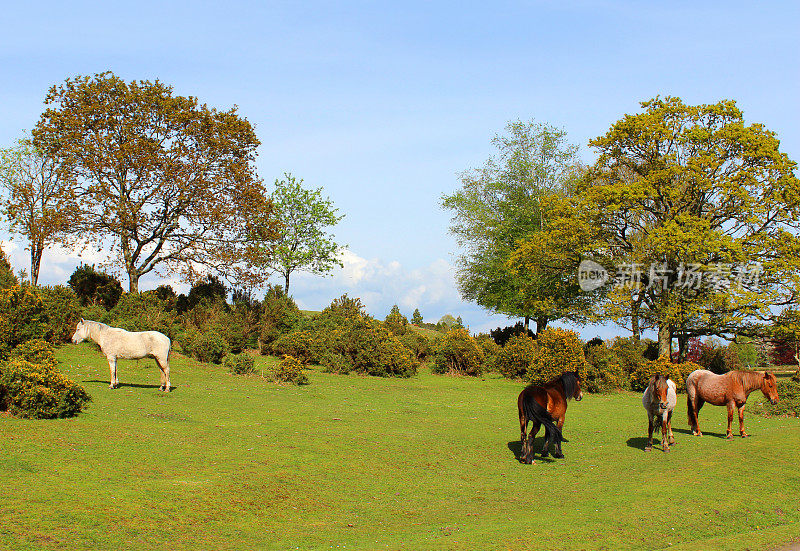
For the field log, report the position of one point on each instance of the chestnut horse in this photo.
(730, 389)
(659, 399)
(546, 405)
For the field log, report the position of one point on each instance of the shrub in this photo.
(558, 350)
(143, 312)
(333, 362)
(604, 370)
(630, 352)
(419, 345)
(22, 317)
(95, 288)
(208, 347)
(298, 344)
(712, 356)
(210, 290)
(416, 318)
(501, 336)
(280, 316)
(63, 311)
(516, 357)
(787, 406)
(490, 350)
(344, 307)
(458, 353)
(39, 390)
(291, 370)
(7, 277)
(36, 351)
(675, 371)
(396, 322)
(240, 364)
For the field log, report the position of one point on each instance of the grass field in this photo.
(348, 462)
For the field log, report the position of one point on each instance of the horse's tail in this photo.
(535, 412)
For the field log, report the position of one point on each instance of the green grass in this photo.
(350, 462)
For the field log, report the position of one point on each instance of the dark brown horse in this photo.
(546, 405)
(730, 389)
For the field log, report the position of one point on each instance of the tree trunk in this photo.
(541, 324)
(133, 287)
(637, 332)
(527, 324)
(665, 341)
(286, 284)
(36, 261)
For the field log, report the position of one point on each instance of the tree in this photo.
(38, 201)
(303, 244)
(416, 318)
(7, 277)
(711, 202)
(170, 182)
(95, 288)
(502, 203)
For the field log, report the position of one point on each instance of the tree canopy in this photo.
(303, 243)
(504, 202)
(699, 213)
(38, 199)
(168, 181)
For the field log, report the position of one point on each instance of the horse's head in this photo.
(769, 386)
(81, 332)
(577, 393)
(658, 391)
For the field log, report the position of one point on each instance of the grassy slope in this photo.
(228, 462)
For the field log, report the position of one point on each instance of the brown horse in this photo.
(730, 389)
(546, 405)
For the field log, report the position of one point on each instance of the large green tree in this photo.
(169, 182)
(699, 212)
(37, 199)
(304, 242)
(504, 202)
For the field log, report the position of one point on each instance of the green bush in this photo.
(788, 404)
(298, 344)
(333, 362)
(23, 317)
(7, 277)
(290, 370)
(240, 364)
(95, 288)
(557, 350)
(675, 371)
(458, 353)
(516, 357)
(280, 316)
(604, 371)
(143, 312)
(36, 351)
(39, 390)
(419, 345)
(63, 311)
(630, 352)
(208, 347)
(396, 322)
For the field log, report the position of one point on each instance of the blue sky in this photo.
(383, 104)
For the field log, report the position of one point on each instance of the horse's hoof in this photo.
(665, 450)
(729, 437)
(558, 455)
(671, 441)
(648, 448)
(745, 435)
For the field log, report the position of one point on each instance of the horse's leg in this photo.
(664, 439)
(731, 407)
(697, 403)
(523, 429)
(531, 436)
(164, 367)
(741, 422)
(650, 427)
(669, 428)
(548, 438)
(112, 368)
(558, 453)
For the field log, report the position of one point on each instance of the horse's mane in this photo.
(750, 379)
(569, 380)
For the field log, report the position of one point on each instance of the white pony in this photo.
(659, 400)
(119, 343)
